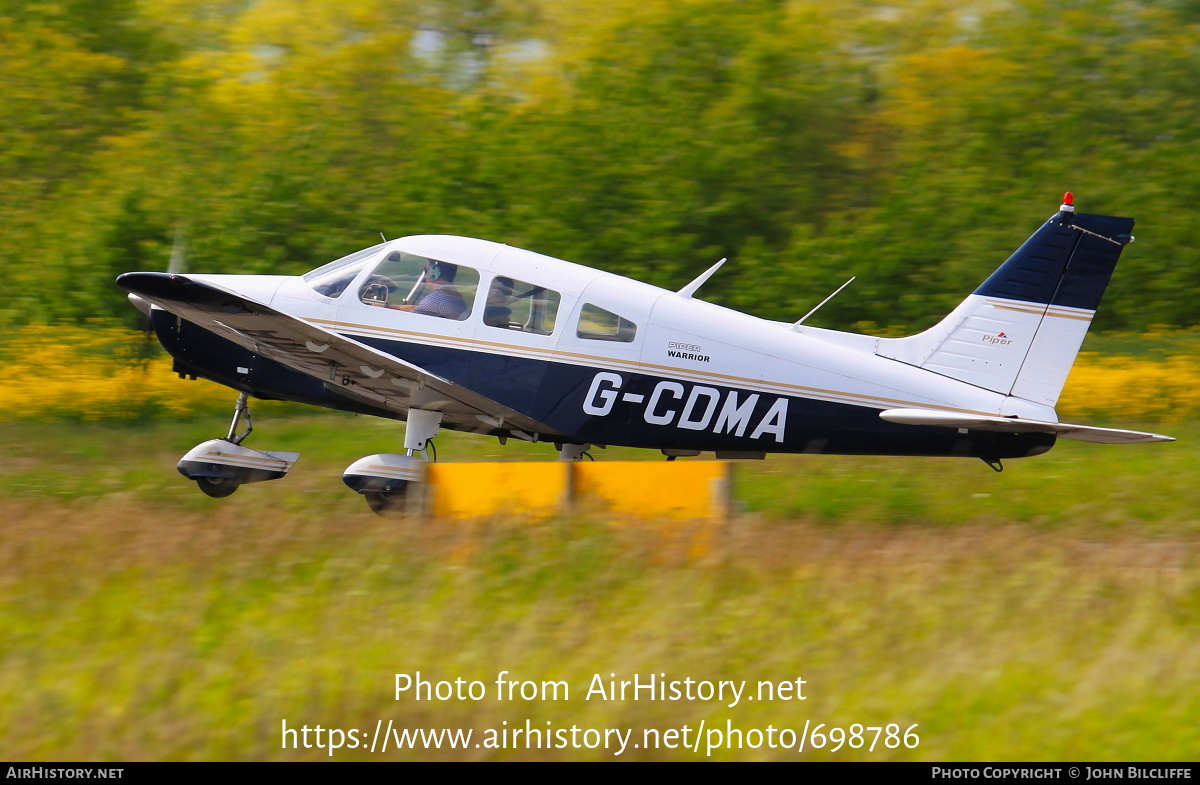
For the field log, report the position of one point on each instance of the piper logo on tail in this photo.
(999, 338)
(694, 408)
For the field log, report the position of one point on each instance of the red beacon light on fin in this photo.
(1068, 205)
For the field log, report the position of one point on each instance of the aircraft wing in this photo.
(345, 365)
(1083, 433)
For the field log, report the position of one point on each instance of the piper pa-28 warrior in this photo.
(471, 335)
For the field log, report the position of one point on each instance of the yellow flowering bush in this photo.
(96, 372)
(1132, 388)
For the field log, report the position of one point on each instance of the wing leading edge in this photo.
(1083, 433)
(349, 367)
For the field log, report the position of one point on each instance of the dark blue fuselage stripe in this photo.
(555, 393)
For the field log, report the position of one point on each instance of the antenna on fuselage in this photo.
(382, 237)
(691, 288)
(827, 299)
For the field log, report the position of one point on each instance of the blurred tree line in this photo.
(912, 144)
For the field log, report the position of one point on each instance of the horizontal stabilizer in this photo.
(979, 422)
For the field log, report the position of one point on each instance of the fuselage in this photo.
(602, 359)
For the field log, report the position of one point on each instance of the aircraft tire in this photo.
(217, 487)
(385, 502)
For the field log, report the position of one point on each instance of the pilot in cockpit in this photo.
(440, 297)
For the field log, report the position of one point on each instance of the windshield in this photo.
(333, 278)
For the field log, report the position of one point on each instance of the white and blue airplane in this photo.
(471, 335)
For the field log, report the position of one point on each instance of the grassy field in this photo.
(1051, 612)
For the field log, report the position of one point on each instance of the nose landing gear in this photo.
(220, 466)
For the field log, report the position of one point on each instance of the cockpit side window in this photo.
(333, 278)
(517, 305)
(406, 282)
(597, 324)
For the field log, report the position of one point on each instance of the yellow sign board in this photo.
(481, 490)
(640, 489)
(692, 490)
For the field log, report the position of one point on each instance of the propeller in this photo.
(176, 264)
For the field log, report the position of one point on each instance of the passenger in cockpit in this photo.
(496, 312)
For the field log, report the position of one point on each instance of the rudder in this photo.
(1020, 331)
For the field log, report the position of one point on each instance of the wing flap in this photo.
(1083, 433)
(345, 365)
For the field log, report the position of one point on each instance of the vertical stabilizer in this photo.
(1020, 331)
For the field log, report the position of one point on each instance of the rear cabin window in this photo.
(406, 282)
(597, 324)
(517, 305)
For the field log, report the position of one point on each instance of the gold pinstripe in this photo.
(250, 458)
(246, 461)
(399, 474)
(1060, 311)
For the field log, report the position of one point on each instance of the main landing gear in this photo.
(221, 466)
(386, 479)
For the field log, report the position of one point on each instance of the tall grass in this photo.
(130, 634)
(1048, 613)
